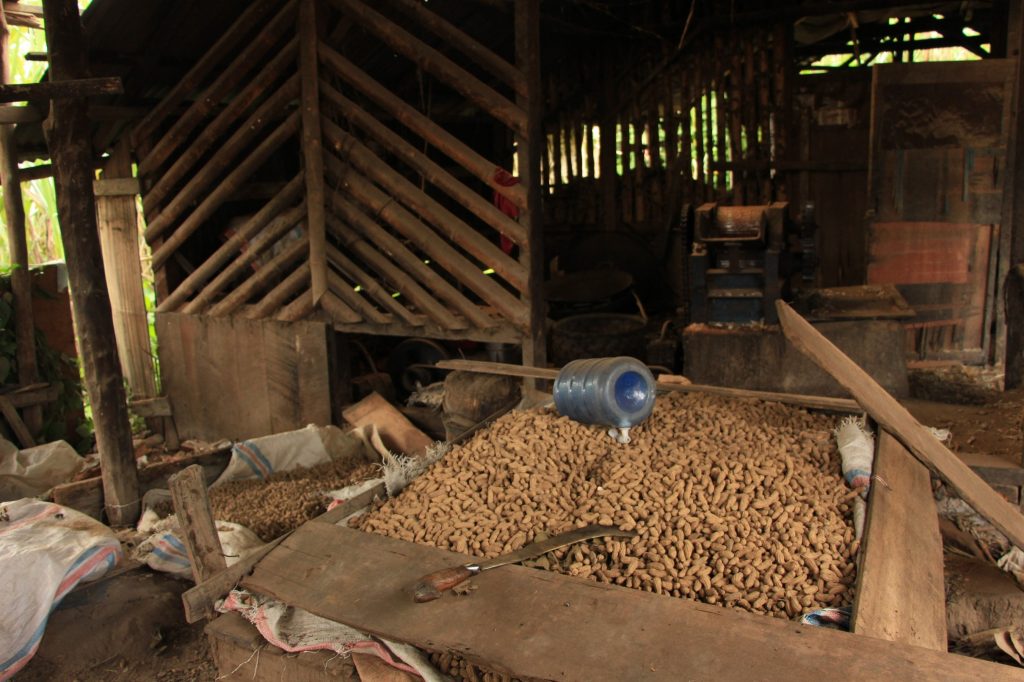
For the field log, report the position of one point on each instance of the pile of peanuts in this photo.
(285, 500)
(735, 502)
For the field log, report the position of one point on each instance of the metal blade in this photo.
(571, 537)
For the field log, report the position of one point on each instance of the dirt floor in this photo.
(131, 627)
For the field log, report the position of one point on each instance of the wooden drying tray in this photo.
(811, 401)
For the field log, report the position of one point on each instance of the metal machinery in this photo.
(744, 258)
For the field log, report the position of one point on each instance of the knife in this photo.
(432, 585)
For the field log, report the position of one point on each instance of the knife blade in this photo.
(430, 586)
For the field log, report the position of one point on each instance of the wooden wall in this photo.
(229, 377)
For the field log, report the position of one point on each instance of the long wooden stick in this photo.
(250, 56)
(277, 266)
(270, 222)
(348, 147)
(436, 64)
(192, 507)
(60, 89)
(426, 240)
(885, 410)
(276, 298)
(226, 43)
(399, 266)
(225, 189)
(447, 143)
(346, 292)
(338, 309)
(434, 173)
(811, 401)
(370, 285)
(200, 147)
(312, 148)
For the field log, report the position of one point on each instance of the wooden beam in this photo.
(276, 298)
(444, 221)
(278, 266)
(528, 146)
(338, 310)
(312, 148)
(68, 140)
(365, 580)
(415, 121)
(36, 394)
(266, 227)
(350, 297)
(117, 220)
(900, 589)
(503, 332)
(200, 600)
(421, 163)
(16, 423)
(17, 245)
(61, 89)
(369, 284)
(220, 50)
(481, 55)
(195, 519)
(436, 64)
(288, 128)
(885, 410)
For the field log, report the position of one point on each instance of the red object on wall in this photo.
(505, 179)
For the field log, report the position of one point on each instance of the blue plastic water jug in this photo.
(614, 392)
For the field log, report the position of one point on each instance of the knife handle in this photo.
(432, 585)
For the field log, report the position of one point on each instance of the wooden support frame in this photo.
(312, 148)
(61, 89)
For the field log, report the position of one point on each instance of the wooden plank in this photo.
(17, 425)
(195, 519)
(900, 589)
(885, 410)
(314, 379)
(415, 121)
(421, 163)
(200, 599)
(152, 407)
(61, 89)
(226, 43)
(436, 64)
(117, 220)
(116, 187)
(37, 394)
(312, 148)
(224, 190)
(365, 581)
(810, 401)
(500, 333)
(397, 432)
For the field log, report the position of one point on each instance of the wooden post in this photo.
(68, 138)
(312, 147)
(198, 530)
(21, 278)
(119, 239)
(1009, 332)
(527, 28)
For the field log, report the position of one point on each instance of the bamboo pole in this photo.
(184, 162)
(279, 295)
(338, 311)
(481, 55)
(436, 64)
(370, 285)
(312, 147)
(225, 189)
(268, 223)
(301, 308)
(447, 223)
(17, 244)
(250, 56)
(426, 240)
(527, 40)
(225, 44)
(270, 236)
(434, 134)
(404, 266)
(119, 239)
(275, 267)
(422, 164)
(68, 142)
(224, 156)
(346, 292)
